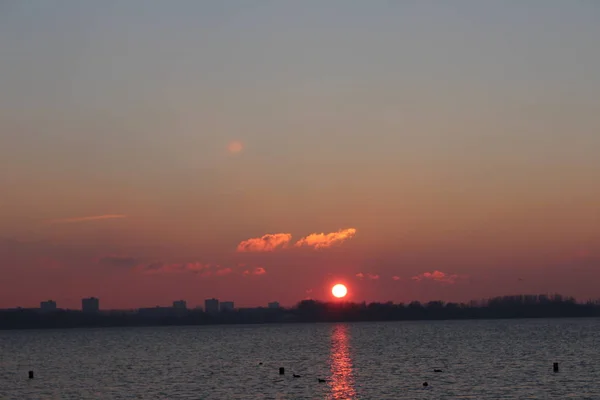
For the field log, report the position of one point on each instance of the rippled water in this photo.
(508, 359)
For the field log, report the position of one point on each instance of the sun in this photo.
(339, 290)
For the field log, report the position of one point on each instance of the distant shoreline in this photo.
(150, 325)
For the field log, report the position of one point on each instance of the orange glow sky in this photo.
(264, 152)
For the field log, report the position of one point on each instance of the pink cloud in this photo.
(437, 276)
(235, 146)
(396, 278)
(255, 271)
(268, 242)
(195, 266)
(223, 272)
(370, 276)
(325, 240)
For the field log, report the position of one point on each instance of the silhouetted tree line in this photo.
(521, 306)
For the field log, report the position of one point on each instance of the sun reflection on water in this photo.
(342, 381)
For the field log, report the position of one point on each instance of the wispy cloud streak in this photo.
(87, 219)
(437, 276)
(170, 268)
(196, 268)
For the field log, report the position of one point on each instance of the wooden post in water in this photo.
(30, 374)
(281, 371)
(555, 367)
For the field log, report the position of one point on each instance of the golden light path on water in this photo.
(342, 381)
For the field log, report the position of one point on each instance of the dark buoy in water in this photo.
(425, 384)
(30, 374)
(555, 367)
(259, 363)
(281, 371)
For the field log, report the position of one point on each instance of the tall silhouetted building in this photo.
(48, 306)
(90, 305)
(227, 306)
(274, 304)
(180, 305)
(211, 305)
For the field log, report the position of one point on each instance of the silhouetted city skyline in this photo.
(517, 306)
(92, 305)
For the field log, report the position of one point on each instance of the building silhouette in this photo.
(90, 305)
(180, 305)
(274, 305)
(48, 306)
(226, 306)
(211, 306)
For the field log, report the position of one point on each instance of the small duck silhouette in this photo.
(297, 376)
(425, 384)
(322, 380)
(437, 370)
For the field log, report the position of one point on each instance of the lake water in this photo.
(504, 359)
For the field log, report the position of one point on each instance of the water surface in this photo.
(504, 359)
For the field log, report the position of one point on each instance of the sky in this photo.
(262, 151)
